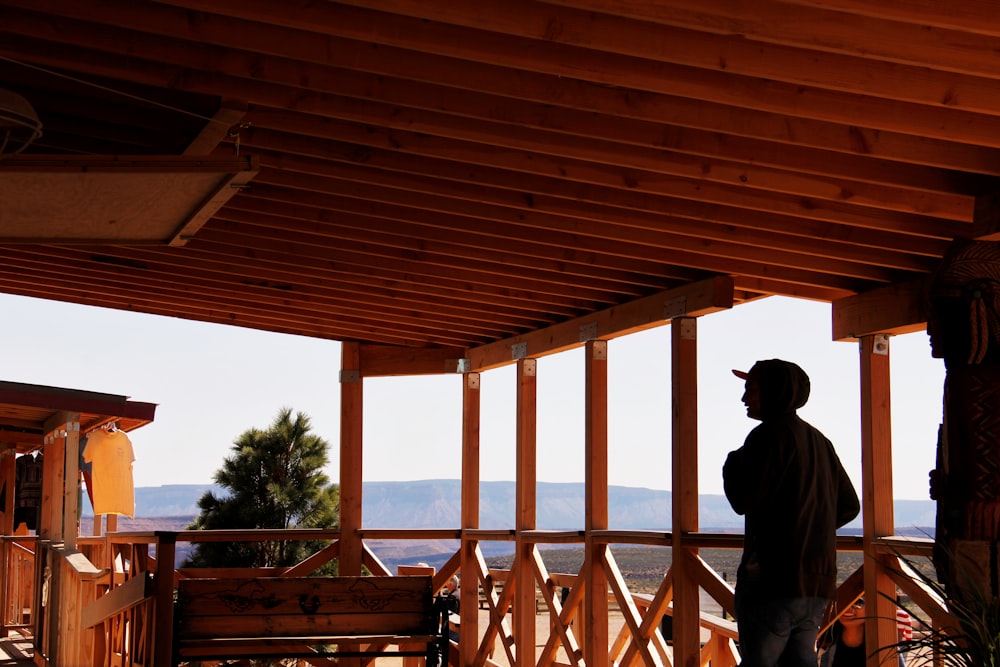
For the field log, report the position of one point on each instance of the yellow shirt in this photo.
(111, 457)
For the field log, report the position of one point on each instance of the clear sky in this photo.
(212, 382)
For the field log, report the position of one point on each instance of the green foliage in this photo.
(973, 640)
(275, 480)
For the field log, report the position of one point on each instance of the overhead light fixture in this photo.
(19, 124)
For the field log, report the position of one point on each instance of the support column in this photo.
(7, 480)
(54, 477)
(60, 472)
(351, 450)
(469, 591)
(876, 491)
(525, 508)
(68, 428)
(8, 463)
(684, 432)
(596, 503)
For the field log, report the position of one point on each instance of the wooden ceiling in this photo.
(441, 174)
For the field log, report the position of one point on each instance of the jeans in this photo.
(778, 632)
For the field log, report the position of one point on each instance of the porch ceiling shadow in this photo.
(25, 409)
(433, 174)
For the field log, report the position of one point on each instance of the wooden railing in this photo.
(115, 602)
(17, 555)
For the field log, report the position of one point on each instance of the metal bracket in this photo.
(530, 366)
(472, 380)
(880, 345)
(458, 365)
(600, 348)
(588, 331)
(518, 351)
(674, 308)
(349, 377)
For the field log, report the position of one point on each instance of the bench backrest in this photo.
(305, 606)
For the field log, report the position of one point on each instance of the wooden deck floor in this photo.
(16, 651)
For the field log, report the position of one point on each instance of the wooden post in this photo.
(163, 605)
(469, 591)
(351, 443)
(876, 492)
(8, 469)
(596, 502)
(525, 508)
(71, 479)
(684, 383)
(7, 475)
(409, 571)
(53, 476)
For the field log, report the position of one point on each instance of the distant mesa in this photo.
(436, 503)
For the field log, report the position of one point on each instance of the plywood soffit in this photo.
(115, 199)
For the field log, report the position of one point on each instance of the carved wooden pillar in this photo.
(964, 327)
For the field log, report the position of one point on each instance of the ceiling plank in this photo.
(597, 174)
(967, 15)
(641, 162)
(919, 39)
(415, 94)
(615, 229)
(943, 122)
(360, 272)
(263, 302)
(582, 202)
(657, 254)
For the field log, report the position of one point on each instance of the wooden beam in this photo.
(227, 118)
(701, 298)
(390, 360)
(895, 309)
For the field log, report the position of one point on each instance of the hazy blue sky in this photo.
(213, 382)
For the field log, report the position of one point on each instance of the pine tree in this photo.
(274, 479)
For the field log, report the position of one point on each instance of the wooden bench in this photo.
(308, 617)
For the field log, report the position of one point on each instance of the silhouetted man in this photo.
(790, 486)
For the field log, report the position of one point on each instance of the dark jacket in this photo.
(789, 483)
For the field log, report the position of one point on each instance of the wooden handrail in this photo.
(118, 600)
(130, 587)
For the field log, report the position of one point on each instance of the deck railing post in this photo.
(684, 383)
(163, 614)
